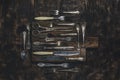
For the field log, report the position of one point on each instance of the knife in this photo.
(66, 53)
(58, 53)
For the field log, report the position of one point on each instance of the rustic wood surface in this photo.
(103, 20)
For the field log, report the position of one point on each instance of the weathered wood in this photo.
(103, 21)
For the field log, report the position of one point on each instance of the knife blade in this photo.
(66, 53)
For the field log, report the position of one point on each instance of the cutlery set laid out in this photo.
(59, 40)
(57, 44)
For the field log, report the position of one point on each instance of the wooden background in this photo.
(103, 20)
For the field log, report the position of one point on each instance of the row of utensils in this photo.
(56, 47)
(57, 13)
(54, 43)
(65, 36)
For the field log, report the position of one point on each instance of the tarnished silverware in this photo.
(71, 12)
(28, 44)
(83, 26)
(78, 37)
(64, 65)
(40, 29)
(24, 39)
(60, 48)
(23, 52)
(76, 59)
(47, 39)
(57, 12)
(65, 24)
(57, 53)
(53, 48)
(58, 43)
(68, 70)
(68, 34)
(66, 53)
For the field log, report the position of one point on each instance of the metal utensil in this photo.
(46, 29)
(64, 65)
(24, 39)
(71, 12)
(43, 53)
(83, 48)
(68, 70)
(50, 18)
(66, 53)
(28, 44)
(57, 12)
(58, 43)
(53, 48)
(83, 33)
(65, 24)
(78, 37)
(60, 48)
(57, 53)
(76, 59)
(47, 39)
(23, 53)
(68, 34)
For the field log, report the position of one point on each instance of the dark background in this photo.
(103, 20)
